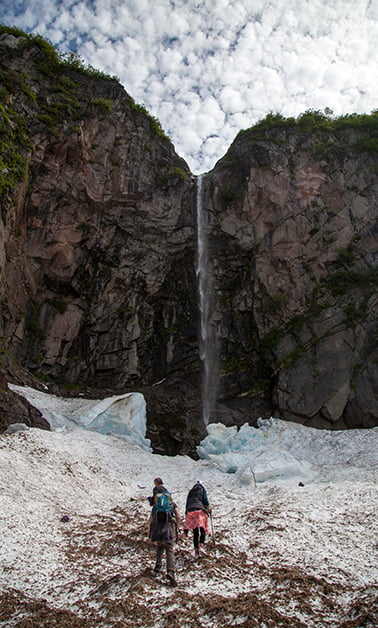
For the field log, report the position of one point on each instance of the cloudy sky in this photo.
(208, 68)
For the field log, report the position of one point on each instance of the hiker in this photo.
(197, 516)
(158, 488)
(163, 523)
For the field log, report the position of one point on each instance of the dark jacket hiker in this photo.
(197, 498)
(196, 511)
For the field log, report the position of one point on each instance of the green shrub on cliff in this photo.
(312, 120)
(272, 120)
(53, 63)
(103, 105)
(53, 60)
(228, 195)
(12, 138)
(342, 281)
(363, 122)
(155, 126)
(368, 144)
(172, 177)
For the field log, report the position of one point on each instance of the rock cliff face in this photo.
(97, 236)
(98, 250)
(294, 246)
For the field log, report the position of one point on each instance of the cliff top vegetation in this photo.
(55, 61)
(314, 120)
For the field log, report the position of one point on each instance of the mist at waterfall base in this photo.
(74, 510)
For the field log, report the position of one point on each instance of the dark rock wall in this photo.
(98, 266)
(294, 254)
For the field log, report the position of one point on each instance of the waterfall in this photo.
(207, 345)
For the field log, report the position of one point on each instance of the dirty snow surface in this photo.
(281, 554)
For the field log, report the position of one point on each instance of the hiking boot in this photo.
(156, 570)
(196, 554)
(172, 579)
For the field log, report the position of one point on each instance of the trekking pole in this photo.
(212, 528)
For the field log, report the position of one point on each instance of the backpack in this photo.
(163, 508)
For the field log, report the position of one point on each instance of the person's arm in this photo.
(149, 526)
(177, 515)
(205, 499)
(154, 495)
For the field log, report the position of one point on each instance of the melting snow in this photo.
(281, 554)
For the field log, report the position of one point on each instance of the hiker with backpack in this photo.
(158, 488)
(197, 512)
(162, 528)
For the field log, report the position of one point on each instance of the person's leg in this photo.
(196, 542)
(159, 556)
(196, 538)
(171, 565)
(202, 536)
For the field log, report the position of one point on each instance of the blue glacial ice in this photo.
(256, 451)
(284, 451)
(120, 415)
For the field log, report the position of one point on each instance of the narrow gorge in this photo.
(104, 285)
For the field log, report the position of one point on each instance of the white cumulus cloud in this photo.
(207, 69)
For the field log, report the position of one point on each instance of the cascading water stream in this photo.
(207, 345)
